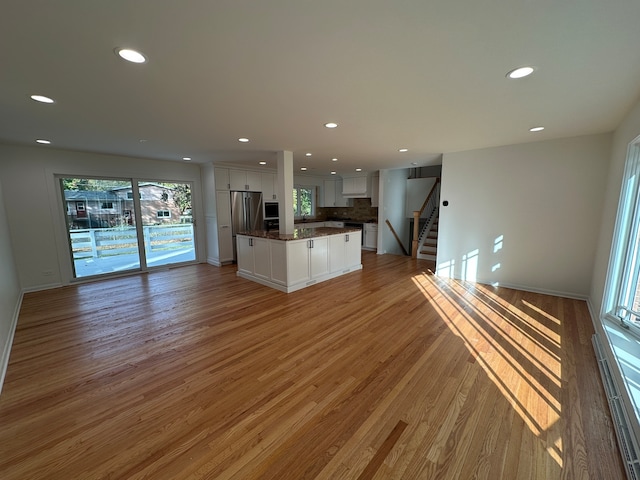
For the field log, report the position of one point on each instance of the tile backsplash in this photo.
(361, 211)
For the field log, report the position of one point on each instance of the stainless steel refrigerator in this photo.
(246, 214)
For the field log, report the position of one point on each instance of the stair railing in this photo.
(430, 205)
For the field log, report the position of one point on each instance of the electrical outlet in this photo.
(47, 273)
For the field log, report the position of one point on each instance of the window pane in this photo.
(622, 292)
(295, 203)
(102, 233)
(304, 201)
(306, 196)
(167, 224)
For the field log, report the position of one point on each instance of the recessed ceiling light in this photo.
(43, 141)
(536, 129)
(334, 159)
(142, 140)
(186, 159)
(331, 125)
(243, 140)
(403, 150)
(358, 169)
(303, 168)
(130, 55)
(41, 99)
(520, 72)
(263, 163)
(307, 154)
(333, 173)
(414, 163)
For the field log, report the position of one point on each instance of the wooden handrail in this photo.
(404, 250)
(433, 189)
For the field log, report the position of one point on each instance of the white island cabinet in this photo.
(291, 262)
(307, 259)
(345, 251)
(253, 254)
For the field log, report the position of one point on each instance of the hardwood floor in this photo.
(386, 373)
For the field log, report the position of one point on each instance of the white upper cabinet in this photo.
(221, 178)
(269, 189)
(329, 199)
(254, 181)
(333, 194)
(245, 180)
(341, 200)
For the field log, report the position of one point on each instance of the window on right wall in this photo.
(620, 315)
(622, 293)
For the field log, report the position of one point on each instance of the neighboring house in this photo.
(103, 209)
(92, 209)
(157, 204)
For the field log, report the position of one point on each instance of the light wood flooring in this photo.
(386, 373)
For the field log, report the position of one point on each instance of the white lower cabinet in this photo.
(244, 248)
(344, 251)
(295, 264)
(370, 232)
(297, 261)
(337, 247)
(307, 259)
(225, 244)
(353, 249)
(278, 262)
(319, 257)
(261, 258)
(254, 256)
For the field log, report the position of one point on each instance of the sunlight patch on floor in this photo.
(518, 348)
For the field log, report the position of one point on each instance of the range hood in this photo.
(356, 187)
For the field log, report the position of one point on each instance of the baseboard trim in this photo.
(524, 288)
(6, 348)
(543, 291)
(214, 261)
(39, 288)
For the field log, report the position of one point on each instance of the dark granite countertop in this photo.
(300, 233)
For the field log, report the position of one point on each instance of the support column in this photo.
(285, 191)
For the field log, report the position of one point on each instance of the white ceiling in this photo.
(428, 75)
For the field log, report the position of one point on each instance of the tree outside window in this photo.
(304, 201)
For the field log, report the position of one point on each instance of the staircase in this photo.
(425, 243)
(428, 244)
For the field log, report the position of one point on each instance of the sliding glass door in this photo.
(119, 225)
(167, 224)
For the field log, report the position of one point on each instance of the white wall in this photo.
(10, 292)
(393, 191)
(628, 130)
(526, 215)
(417, 191)
(34, 209)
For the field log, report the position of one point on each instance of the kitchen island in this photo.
(290, 262)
